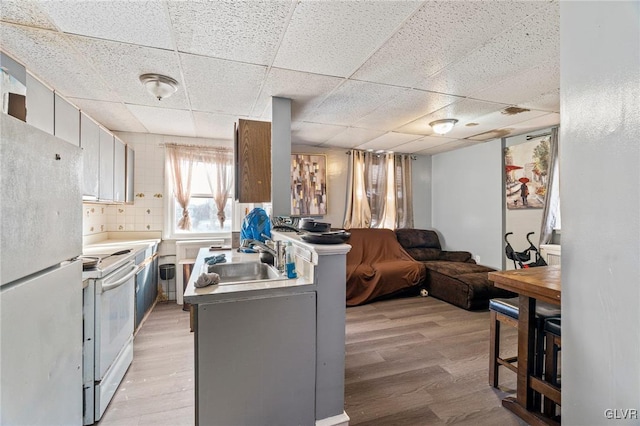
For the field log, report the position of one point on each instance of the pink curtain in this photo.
(181, 167)
(220, 177)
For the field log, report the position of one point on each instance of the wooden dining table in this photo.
(531, 284)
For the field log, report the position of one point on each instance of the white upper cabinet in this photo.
(119, 165)
(90, 144)
(67, 121)
(39, 105)
(106, 166)
(130, 158)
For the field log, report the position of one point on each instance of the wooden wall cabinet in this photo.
(253, 161)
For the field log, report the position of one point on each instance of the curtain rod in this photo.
(199, 147)
(529, 137)
(413, 157)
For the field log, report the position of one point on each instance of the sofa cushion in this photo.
(468, 291)
(422, 238)
(456, 268)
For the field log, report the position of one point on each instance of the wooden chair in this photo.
(552, 397)
(506, 311)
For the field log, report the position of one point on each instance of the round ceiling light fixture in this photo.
(160, 86)
(443, 126)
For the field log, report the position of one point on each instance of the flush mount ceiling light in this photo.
(158, 85)
(443, 126)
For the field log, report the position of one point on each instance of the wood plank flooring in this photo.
(411, 361)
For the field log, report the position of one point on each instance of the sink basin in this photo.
(235, 273)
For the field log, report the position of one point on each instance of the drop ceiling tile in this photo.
(388, 141)
(422, 144)
(439, 33)
(25, 13)
(313, 133)
(112, 115)
(121, 64)
(350, 102)
(534, 82)
(217, 85)
(49, 56)
(465, 111)
(446, 147)
(215, 126)
(404, 108)
(528, 125)
(164, 121)
(139, 22)
(246, 31)
(305, 90)
(497, 125)
(352, 137)
(533, 41)
(545, 102)
(334, 38)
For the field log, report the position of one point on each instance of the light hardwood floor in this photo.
(410, 361)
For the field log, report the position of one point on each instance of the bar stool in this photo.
(506, 311)
(552, 330)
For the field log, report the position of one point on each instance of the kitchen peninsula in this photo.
(272, 351)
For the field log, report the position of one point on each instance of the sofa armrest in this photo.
(456, 256)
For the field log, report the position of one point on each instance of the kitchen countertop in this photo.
(109, 246)
(254, 289)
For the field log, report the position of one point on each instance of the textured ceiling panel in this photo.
(526, 125)
(25, 13)
(222, 86)
(305, 90)
(352, 101)
(247, 31)
(313, 133)
(506, 55)
(51, 58)
(353, 137)
(406, 107)
(546, 102)
(130, 61)
(217, 126)
(164, 121)
(334, 38)
(139, 22)
(533, 83)
(440, 33)
(422, 144)
(113, 116)
(465, 111)
(497, 124)
(446, 147)
(388, 141)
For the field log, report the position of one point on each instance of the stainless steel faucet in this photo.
(277, 251)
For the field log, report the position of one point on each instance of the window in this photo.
(200, 201)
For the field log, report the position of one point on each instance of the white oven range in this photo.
(108, 311)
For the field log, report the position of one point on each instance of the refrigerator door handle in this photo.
(121, 281)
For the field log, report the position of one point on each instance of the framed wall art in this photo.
(526, 167)
(308, 184)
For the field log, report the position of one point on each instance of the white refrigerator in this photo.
(40, 278)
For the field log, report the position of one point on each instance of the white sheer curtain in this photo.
(181, 167)
(379, 191)
(358, 214)
(551, 211)
(220, 178)
(219, 165)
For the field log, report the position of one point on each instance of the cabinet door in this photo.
(254, 161)
(66, 121)
(39, 105)
(140, 282)
(106, 166)
(119, 170)
(130, 160)
(90, 144)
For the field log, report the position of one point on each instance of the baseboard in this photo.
(339, 420)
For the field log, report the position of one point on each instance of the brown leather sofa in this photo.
(452, 276)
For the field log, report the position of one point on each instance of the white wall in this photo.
(600, 133)
(421, 183)
(467, 201)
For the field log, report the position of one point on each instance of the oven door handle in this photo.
(121, 281)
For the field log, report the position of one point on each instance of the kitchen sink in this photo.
(236, 273)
